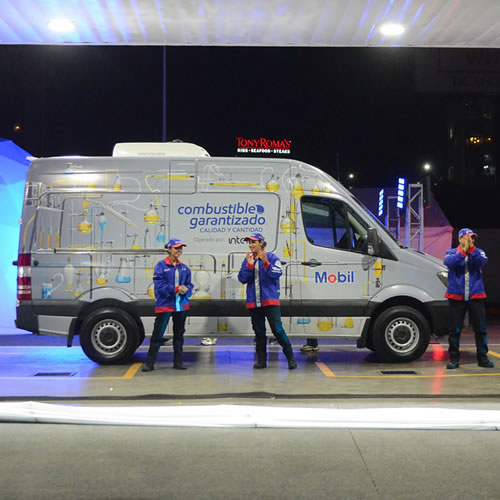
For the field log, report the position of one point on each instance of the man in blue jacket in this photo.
(466, 293)
(261, 272)
(173, 287)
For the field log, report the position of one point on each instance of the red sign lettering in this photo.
(263, 145)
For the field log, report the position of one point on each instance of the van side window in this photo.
(318, 223)
(331, 223)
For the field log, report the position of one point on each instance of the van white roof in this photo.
(170, 149)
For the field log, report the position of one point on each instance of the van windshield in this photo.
(379, 224)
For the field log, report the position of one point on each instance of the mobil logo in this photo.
(336, 277)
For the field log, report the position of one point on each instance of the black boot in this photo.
(484, 362)
(178, 364)
(178, 346)
(261, 359)
(148, 366)
(287, 351)
(454, 362)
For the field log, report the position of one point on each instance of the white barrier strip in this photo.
(253, 416)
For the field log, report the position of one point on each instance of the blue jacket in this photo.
(167, 278)
(262, 280)
(465, 273)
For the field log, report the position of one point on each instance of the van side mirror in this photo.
(372, 241)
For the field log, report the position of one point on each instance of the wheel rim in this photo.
(109, 337)
(402, 335)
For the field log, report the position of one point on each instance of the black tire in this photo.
(400, 334)
(140, 340)
(109, 336)
(369, 343)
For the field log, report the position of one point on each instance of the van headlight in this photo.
(443, 278)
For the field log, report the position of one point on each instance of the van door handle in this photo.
(311, 263)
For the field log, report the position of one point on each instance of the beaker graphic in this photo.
(326, 188)
(124, 271)
(287, 225)
(85, 227)
(202, 282)
(324, 324)
(69, 273)
(151, 290)
(222, 324)
(349, 323)
(78, 289)
(135, 244)
(48, 288)
(117, 186)
(298, 188)
(101, 219)
(232, 286)
(160, 237)
(102, 276)
(151, 216)
(303, 321)
(272, 185)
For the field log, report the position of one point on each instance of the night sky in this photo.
(359, 103)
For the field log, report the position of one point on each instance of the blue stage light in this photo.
(401, 192)
(381, 202)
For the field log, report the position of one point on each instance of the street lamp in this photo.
(427, 191)
(350, 180)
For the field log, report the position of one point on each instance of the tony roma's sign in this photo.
(263, 145)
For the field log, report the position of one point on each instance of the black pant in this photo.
(273, 316)
(161, 322)
(477, 316)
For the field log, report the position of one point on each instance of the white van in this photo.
(93, 229)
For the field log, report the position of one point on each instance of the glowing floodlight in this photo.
(61, 25)
(401, 192)
(391, 29)
(381, 202)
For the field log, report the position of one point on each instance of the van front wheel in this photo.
(400, 334)
(109, 336)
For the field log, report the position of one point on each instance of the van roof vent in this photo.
(170, 149)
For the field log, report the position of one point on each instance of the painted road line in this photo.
(132, 370)
(326, 371)
(130, 373)
(493, 353)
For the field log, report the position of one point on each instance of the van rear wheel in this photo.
(109, 336)
(400, 334)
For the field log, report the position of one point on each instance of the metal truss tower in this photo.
(414, 216)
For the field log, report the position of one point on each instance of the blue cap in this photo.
(255, 237)
(175, 243)
(466, 232)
